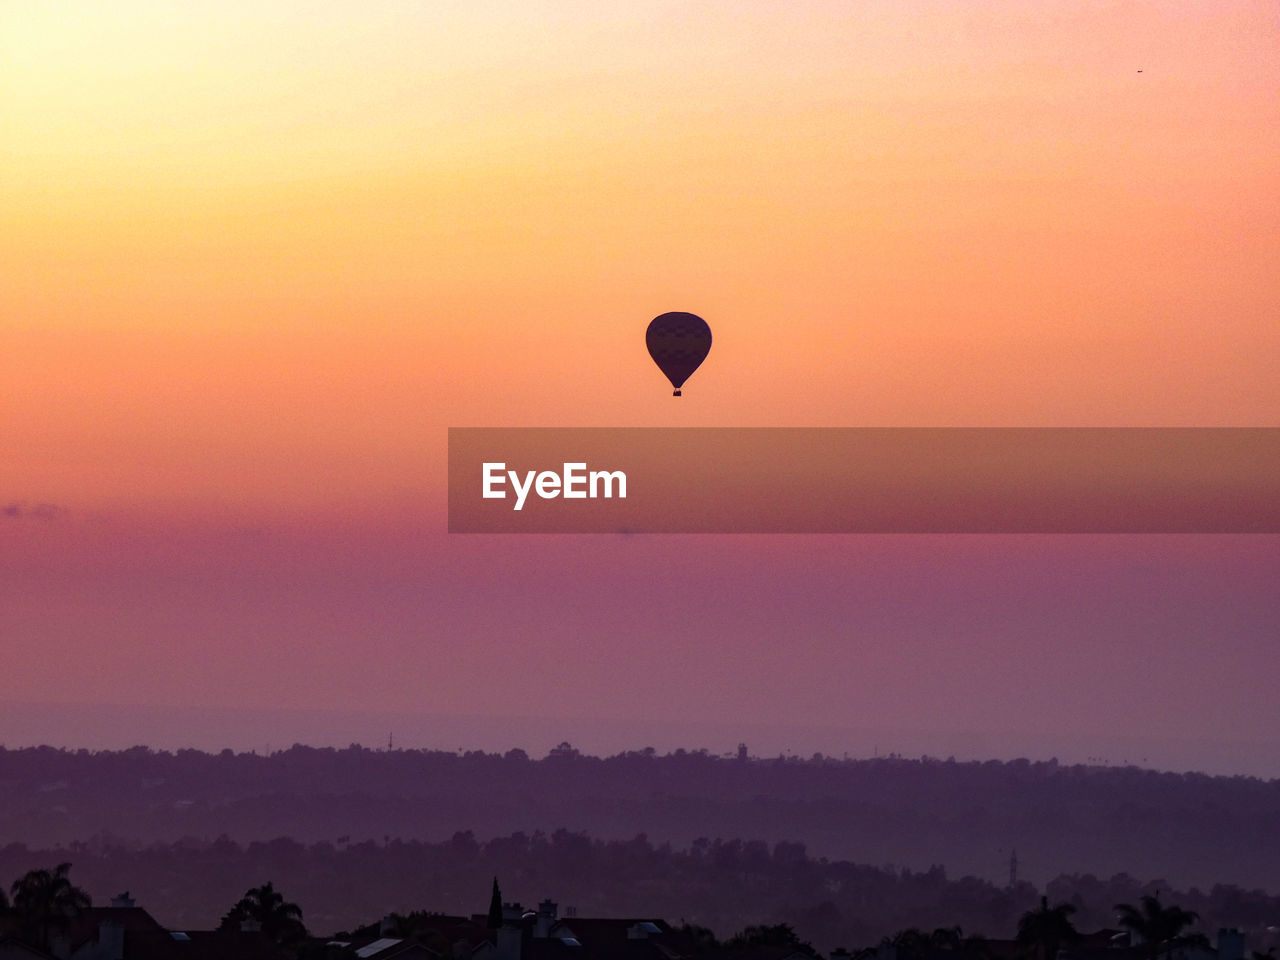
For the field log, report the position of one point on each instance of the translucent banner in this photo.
(864, 480)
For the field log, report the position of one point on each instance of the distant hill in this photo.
(1186, 829)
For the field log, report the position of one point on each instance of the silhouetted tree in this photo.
(276, 917)
(777, 935)
(1159, 928)
(947, 938)
(910, 943)
(1047, 928)
(703, 939)
(45, 901)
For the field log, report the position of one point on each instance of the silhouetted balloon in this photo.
(678, 343)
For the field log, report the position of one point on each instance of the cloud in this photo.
(18, 510)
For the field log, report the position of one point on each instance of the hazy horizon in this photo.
(1073, 645)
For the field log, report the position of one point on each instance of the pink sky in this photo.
(920, 644)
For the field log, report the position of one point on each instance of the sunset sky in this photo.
(257, 257)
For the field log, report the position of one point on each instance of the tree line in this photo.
(1190, 829)
(45, 901)
(719, 885)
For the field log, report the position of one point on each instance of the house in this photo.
(419, 935)
(544, 935)
(388, 948)
(125, 931)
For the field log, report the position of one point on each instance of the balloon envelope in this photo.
(678, 343)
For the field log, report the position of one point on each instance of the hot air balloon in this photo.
(678, 343)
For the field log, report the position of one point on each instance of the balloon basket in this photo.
(675, 393)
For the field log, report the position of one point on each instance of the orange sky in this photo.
(257, 257)
(247, 236)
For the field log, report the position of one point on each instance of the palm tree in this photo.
(1047, 929)
(45, 901)
(1158, 927)
(267, 907)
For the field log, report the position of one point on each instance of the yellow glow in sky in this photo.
(242, 237)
